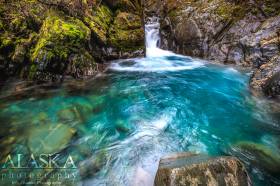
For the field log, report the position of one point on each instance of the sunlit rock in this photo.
(266, 80)
(193, 169)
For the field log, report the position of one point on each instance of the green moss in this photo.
(228, 10)
(270, 7)
(60, 36)
(6, 41)
(133, 6)
(21, 48)
(126, 33)
(1, 25)
(100, 22)
(32, 71)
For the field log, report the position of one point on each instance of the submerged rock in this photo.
(122, 126)
(49, 138)
(260, 156)
(40, 118)
(194, 169)
(68, 115)
(91, 166)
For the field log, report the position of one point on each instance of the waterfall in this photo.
(152, 32)
(156, 60)
(152, 39)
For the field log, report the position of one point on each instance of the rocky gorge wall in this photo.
(47, 39)
(243, 33)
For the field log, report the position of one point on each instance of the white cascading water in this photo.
(153, 39)
(156, 60)
(152, 32)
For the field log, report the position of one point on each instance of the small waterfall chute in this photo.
(156, 60)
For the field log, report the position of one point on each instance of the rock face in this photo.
(193, 169)
(266, 79)
(243, 33)
(45, 39)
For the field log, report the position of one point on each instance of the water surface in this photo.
(119, 124)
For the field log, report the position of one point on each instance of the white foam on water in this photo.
(156, 66)
(231, 70)
(157, 52)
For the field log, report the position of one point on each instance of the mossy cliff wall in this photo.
(243, 33)
(47, 39)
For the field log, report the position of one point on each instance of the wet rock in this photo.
(93, 165)
(194, 169)
(266, 79)
(85, 110)
(122, 126)
(127, 35)
(40, 118)
(260, 156)
(6, 147)
(68, 115)
(49, 138)
(61, 47)
(78, 112)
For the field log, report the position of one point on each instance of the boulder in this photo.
(61, 47)
(49, 138)
(195, 169)
(260, 156)
(127, 35)
(266, 79)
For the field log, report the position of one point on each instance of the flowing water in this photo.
(118, 125)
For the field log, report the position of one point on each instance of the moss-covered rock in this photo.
(99, 22)
(60, 36)
(126, 33)
(61, 40)
(46, 40)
